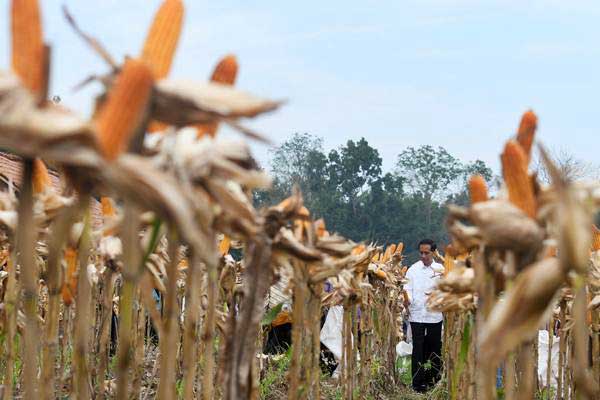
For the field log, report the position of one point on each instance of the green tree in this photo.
(429, 172)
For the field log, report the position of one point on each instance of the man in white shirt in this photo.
(426, 325)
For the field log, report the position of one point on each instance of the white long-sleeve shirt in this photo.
(421, 281)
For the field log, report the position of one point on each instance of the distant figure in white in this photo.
(426, 326)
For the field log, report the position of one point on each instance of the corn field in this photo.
(133, 263)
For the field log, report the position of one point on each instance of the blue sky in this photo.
(452, 73)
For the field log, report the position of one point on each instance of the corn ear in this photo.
(526, 132)
(28, 49)
(69, 288)
(380, 274)
(320, 228)
(399, 248)
(448, 260)
(41, 177)
(393, 249)
(108, 207)
(386, 255)
(477, 189)
(551, 251)
(514, 170)
(163, 37)
(359, 249)
(224, 245)
(595, 238)
(225, 73)
(125, 108)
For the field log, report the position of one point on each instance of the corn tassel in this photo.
(477, 189)
(526, 132)
(125, 108)
(514, 170)
(28, 49)
(41, 177)
(163, 36)
(69, 288)
(225, 73)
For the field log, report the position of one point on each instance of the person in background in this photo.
(426, 326)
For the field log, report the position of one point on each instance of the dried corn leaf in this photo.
(180, 103)
(525, 306)
(53, 134)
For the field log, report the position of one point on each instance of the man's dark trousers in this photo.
(427, 346)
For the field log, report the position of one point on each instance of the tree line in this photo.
(348, 188)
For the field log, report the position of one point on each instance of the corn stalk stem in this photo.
(83, 304)
(53, 279)
(168, 342)
(239, 367)
(208, 335)
(105, 322)
(587, 387)
(138, 365)
(11, 320)
(130, 274)
(298, 321)
(29, 276)
(189, 335)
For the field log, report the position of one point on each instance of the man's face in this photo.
(426, 254)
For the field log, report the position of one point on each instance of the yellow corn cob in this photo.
(283, 317)
(225, 245)
(225, 73)
(477, 189)
(386, 255)
(320, 228)
(163, 36)
(358, 249)
(448, 260)
(380, 274)
(226, 70)
(125, 108)
(399, 248)
(108, 208)
(304, 212)
(393, 249)
(69, 288)
(551, 251)
(514, 170)
(28, 50)
(41, 177)
(183, 264)
(595, 238)
(526, 132)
